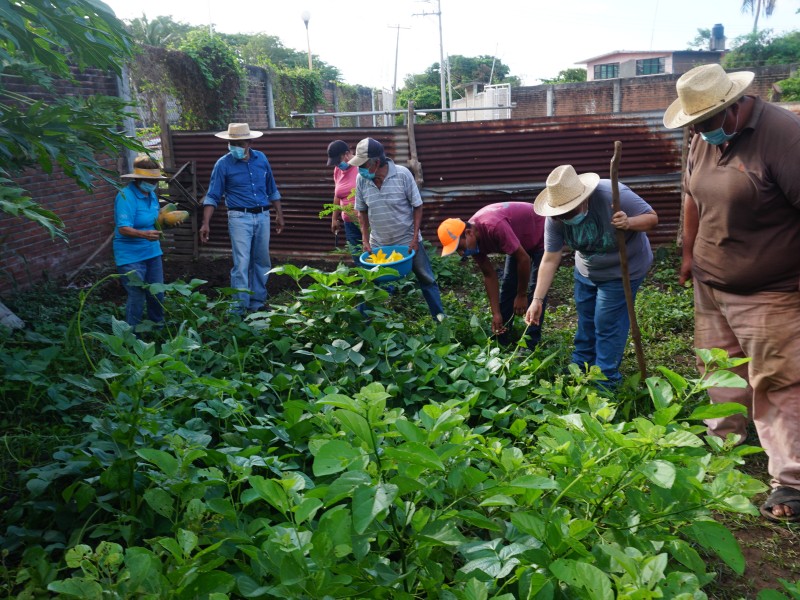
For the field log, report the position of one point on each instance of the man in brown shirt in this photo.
(742, 249)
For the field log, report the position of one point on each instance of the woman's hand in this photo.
(151, 235)
(620, 221)
(534, 312)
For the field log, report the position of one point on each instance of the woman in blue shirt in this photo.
(137, 251)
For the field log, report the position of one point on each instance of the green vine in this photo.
(222, 76)
(298, 90)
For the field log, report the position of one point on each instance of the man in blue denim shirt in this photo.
(244, 177)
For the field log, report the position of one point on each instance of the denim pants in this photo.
(250, 244)
(603, 324)
(508, 293)
(421, 265)
(144, 271)
(352, 233)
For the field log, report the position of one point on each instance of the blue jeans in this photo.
(508, 293)
(352, 233)
(250, 244)
(603, 324)
(421, 265)
(144, 271)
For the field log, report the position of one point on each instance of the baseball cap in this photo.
(366, 149)
(335, 150)
(450, 232)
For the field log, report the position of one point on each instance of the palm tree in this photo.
(756, 7)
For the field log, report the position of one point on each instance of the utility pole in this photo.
(396, 54)
(438, 14)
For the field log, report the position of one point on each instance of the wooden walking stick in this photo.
(623, 262)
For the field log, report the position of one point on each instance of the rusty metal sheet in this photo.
(465, 167)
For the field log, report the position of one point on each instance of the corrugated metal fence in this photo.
(465, 166)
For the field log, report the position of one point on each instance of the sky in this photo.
(535, 39)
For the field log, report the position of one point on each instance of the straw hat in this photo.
(139, 173)
(565, 190)
(239, 131)
(703, 92)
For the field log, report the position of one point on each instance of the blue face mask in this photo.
(718, 136)
(576, 220)
(147, 187)
(344, 165)
(470, 252)
(236, 151)
(366, 174)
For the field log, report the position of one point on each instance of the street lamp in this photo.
(306, 18)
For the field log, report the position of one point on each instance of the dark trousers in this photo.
(508, 292)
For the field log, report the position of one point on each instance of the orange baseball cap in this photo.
(450, 232)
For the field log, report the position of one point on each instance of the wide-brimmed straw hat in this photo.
(139, 173)
(239, 131)
(564, 190)
(703, 92)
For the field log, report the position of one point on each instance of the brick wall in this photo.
(636, 94)
(590, 98)
(27, 253)
(254, 108)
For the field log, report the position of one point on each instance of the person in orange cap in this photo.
(513, 229)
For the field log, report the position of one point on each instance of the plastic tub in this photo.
(403, 267)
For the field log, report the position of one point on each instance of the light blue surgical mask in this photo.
(147, 187)
(236, 151)
(718, 136)
(344, 165)
(576, 220)
(366, 174)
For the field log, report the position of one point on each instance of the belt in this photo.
(254, 209)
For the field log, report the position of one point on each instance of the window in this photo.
(607, 71)
(650, 66)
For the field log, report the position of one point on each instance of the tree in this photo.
(574, 75)
(762, 48)
(262, 50)
(40, 43)
(755, 7)
(162, 31)
(424, 90)
(700, 42)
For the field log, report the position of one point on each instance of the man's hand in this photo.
(520, 304)
(414, 245)
(365, 247)
(279, 223)
(498, 326)
(685, 274)
(205, 231)
(534, 313)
